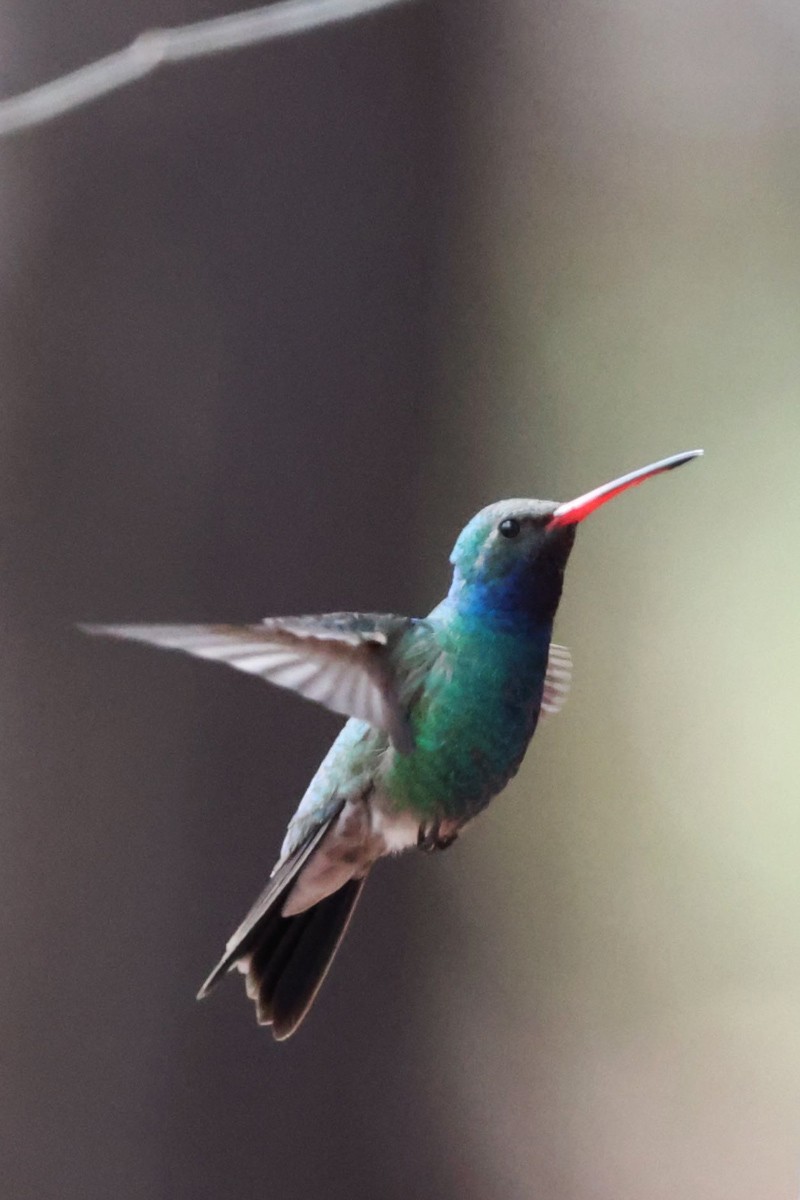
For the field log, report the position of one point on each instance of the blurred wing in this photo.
(341, 660)
(557, 679)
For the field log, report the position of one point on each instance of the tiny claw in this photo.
(431, 838)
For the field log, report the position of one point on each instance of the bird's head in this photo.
(510, 559)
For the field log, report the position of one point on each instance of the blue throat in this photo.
(516, 602)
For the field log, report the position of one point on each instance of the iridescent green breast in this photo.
(473, 719)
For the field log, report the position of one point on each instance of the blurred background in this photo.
(273, 325)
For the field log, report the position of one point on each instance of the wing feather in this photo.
(557, 679)
(343, 661)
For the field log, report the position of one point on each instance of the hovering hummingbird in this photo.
(441, 710)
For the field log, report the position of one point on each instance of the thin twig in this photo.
(158, 47)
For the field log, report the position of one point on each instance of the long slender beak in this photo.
(575, 510)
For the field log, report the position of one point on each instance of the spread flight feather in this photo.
(344, 661)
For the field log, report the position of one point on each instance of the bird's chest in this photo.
(472, 723)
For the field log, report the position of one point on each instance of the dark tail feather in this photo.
(288, 957)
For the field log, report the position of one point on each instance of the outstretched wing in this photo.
(345, 661)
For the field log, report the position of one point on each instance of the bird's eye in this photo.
(510, 527)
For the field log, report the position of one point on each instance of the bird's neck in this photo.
(514, 603)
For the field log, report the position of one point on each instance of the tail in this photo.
(285, 959)
(291, 957)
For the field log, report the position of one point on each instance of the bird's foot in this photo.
(432, 838)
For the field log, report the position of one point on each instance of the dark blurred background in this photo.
(273, 326)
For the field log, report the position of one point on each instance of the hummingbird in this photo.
(440, 713)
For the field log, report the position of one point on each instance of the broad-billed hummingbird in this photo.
(441, 710)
